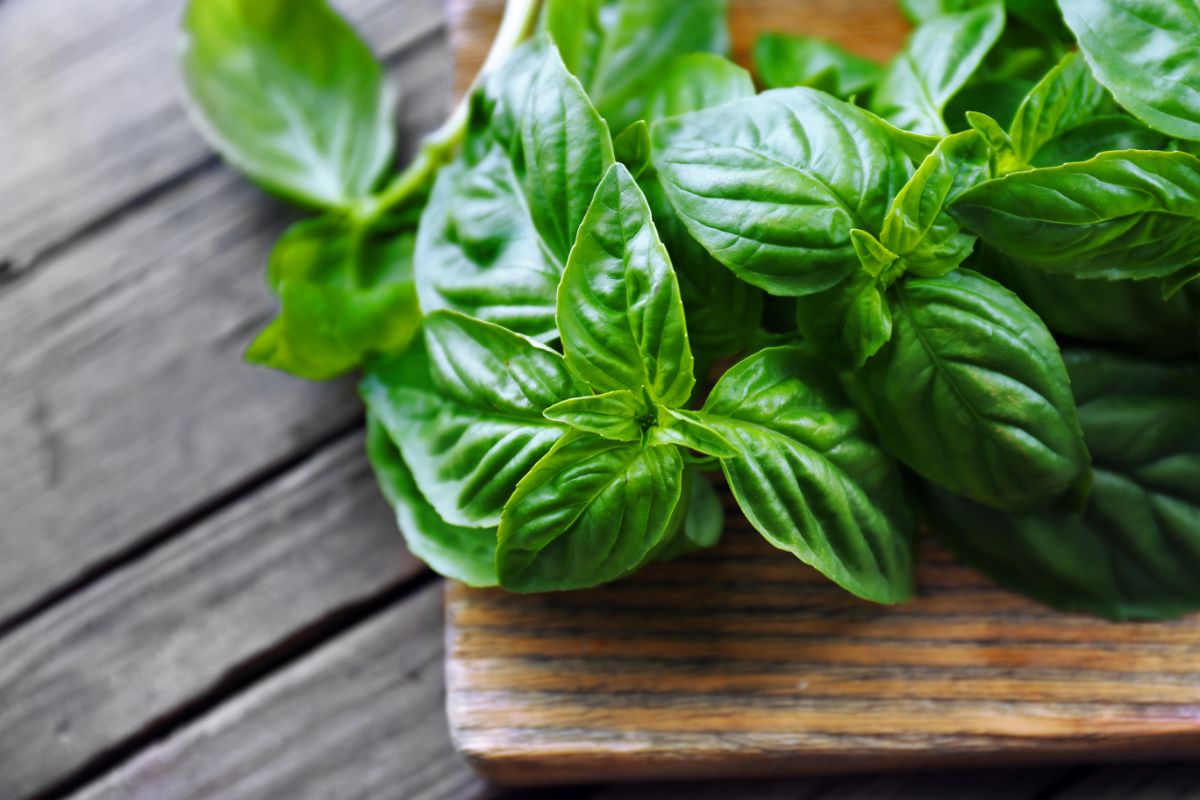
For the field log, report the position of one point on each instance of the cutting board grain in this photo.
(742, 661)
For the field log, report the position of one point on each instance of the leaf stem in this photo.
(440, 146)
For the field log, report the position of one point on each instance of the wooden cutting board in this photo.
(742, 661)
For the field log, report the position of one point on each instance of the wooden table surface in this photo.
(201, 593)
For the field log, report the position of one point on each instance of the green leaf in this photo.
(917, 228)
(619, 308)
(589, 512)
(783, 60)
(1065, 98)
(289, 94)
(614, 415)
(1129, 214)
(772, 185)
(690, 430)
(1147, 54)
(705, 521)
(809, 477)
(1107, 312)
(697, 81)
(938, 60)
(620, 49)
(346, 292)
(724, 314)
(501, 220)
(1135, 551)
(1096, 136)
(464, 554)
(972, 394)
(632, 147)
(468, 413)
(848, 323)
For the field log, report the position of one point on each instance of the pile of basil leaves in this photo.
(956, 287)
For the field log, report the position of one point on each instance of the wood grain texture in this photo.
(92, 116)
(358, 719)
(266, 572)
(742, 661)
(124, 402)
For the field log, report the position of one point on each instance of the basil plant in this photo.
(955, 288)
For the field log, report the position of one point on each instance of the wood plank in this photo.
(124, 403)
(359, 719)
(780, 672)
(133, 648)
(92, 114)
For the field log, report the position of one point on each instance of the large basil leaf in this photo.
(464, 554)
(1065, 98)
(1116, 312)
(620, 49)
(772, 185)
(783, 60)
(290, 95)
(809, 477)
(971, 393)
(1147, 54)
(345, 292)
(619, 309)
(1134, 553)
(501, 220)
(939, 58)
(472, 425)
(1128, 214)
(696, 81)
(589, 512)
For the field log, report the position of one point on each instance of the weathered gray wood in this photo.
(144, 640)
(90, 112)
(124, 403)
(360, 719)
(1156, 782)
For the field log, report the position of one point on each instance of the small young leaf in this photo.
(290, 95)
(785, 60)
(1065, 98)
(632, 147)
(971, 393)
(619, 308)
(848, 323)
(1127, 214)
(464, 554)
(1147, 54)
(809, 477)
(614, 415)
(705, 519)
(939, 58)
(689, 430)
(589, 512)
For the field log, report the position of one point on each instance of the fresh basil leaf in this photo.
(848, 323)
(619, 308)
(464, 554)
(472, 425)
(632, 147)
(1129, 214)
(589, 512)
(689, 430)
(699, 80)
(620, 49)
(772, 185)
(346, 292)
(1134, 552)
(809, 477)
(1147, 54)
(289, 94)
(501, 220)
(724, 314)
(1095, 136)
(1065, 98)
(1107, 312)
(614, 415)
(917, 228)
(971, 393)
(938, 60)
(783, 60)
(705, 520)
